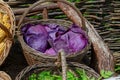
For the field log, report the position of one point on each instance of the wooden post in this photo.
(45, 13)
(102, 52)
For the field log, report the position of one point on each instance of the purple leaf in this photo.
(38, 42)
(36, 37)
(25, 28)
(54, 30)
(72, 41)
(50, 51)
(37, 29)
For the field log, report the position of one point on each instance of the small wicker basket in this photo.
(10, 33)
(37, 68)
(32, 56)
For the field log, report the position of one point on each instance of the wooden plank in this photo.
(102, 54)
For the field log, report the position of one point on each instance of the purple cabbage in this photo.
(36, 37)
(38, 42)
(25, 28)
(54, 30)
(50, 51)
(50, 38)
(72, 41)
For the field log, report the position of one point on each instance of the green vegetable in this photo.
(60, 16)
(33, 77)
(36, 17)
(83, 75)
(70, 76)
(117, 68)
(92, 78)
(106, 74)
(47, 75)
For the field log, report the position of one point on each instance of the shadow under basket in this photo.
(33, 56)
(37, 68)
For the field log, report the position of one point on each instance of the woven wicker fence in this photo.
(104, 15)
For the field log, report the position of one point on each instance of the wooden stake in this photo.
(102, 52)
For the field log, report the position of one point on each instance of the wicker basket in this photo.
(32, 56)
(37, 68)
(4, 76)
(10, 33)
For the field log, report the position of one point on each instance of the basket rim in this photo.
(36, 21)
(73, 64)
(38, 53)
(9, 11)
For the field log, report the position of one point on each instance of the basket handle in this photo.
(6, 30)
(1, 0)
(61, 61)
(43, 1)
